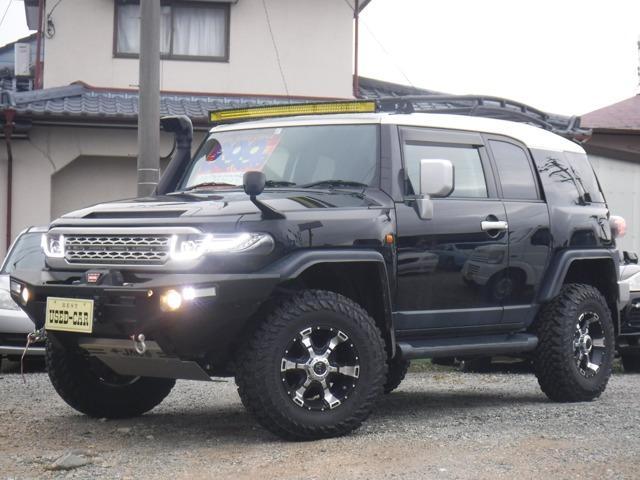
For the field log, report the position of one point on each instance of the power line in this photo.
(5, 12)
(275, 47)
(384, 50)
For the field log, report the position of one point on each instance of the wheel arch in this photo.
(599, 268)
(360, 275)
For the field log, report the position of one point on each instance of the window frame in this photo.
(534, 171)
(453, 139)
(226, 7)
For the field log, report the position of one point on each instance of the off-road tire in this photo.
(396, 371)
(554, 361)
(76, 382)
(631, 363)
(258, 374)
(476, 365)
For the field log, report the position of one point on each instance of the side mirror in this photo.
(436, 180)
(253, 183)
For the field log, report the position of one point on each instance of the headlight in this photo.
(634, 282)
(192, 247)
(6, 302)
(53, 245)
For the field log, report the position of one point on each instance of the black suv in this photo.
(312, 257)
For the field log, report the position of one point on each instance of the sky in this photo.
(562, 56)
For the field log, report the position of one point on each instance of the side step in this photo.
(486, 345)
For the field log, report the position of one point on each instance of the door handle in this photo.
(488, 225)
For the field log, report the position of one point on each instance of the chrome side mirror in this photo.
(436, 180)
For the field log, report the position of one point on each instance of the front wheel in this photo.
(92, 388)
(314, 368)
(574, 357)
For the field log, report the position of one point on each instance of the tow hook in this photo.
(138, 343)
(33, 337)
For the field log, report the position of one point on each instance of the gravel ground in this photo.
(441, 424)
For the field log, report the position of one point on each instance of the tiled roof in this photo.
(624, 115)
(80, 100)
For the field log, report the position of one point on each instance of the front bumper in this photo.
(205, 328)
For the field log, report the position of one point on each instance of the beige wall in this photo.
(314, 38)
(620, 182)
(58, 169)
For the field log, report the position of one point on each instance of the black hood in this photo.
(225, 203)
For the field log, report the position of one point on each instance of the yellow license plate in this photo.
(69, 315)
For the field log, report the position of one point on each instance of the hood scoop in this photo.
(137, 214)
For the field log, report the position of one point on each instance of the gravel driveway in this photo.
(437, 425)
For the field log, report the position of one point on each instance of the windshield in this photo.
(25, 255)
(288, 156)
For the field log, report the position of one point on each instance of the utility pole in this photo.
(149, 98)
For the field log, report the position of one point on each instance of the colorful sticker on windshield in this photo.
(233, 153)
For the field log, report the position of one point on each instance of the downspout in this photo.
(8, 131)
(356, 82)
(38, 79)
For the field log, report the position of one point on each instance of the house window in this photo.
(188, 30)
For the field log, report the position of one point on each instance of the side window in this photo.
(514, 171)
(467, 165)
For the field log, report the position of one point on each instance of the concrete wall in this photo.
(620, 181)
(59, 169)
(314, 39)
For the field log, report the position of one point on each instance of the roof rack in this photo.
(484, 106)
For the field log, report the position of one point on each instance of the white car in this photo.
(24, 254)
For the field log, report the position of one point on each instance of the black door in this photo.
(529, 233)
(445, 264)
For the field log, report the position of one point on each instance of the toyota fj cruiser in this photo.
(312, 257)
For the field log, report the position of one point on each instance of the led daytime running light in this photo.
(193, 247)
(57, 241)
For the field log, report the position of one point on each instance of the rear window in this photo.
(585, 177)
(568, 177)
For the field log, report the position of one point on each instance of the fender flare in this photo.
(561, 263)
(294, 264)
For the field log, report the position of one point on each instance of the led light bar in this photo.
(237, 114)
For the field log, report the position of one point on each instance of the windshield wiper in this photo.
(334, 183)
(210, 184)
(278, 183)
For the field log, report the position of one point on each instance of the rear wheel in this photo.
(314, 368)
(574, 357)
(92, 388)
(631, 363)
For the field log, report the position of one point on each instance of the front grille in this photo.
(117, 249)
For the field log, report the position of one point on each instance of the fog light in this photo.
(171, 301)
(25, 295)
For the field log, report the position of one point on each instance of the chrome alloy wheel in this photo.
(589, 344)
(320, 368)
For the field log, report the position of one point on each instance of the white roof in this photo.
(532, 137)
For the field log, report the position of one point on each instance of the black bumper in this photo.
(203, 328)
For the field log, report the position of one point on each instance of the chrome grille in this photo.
(117, 249)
